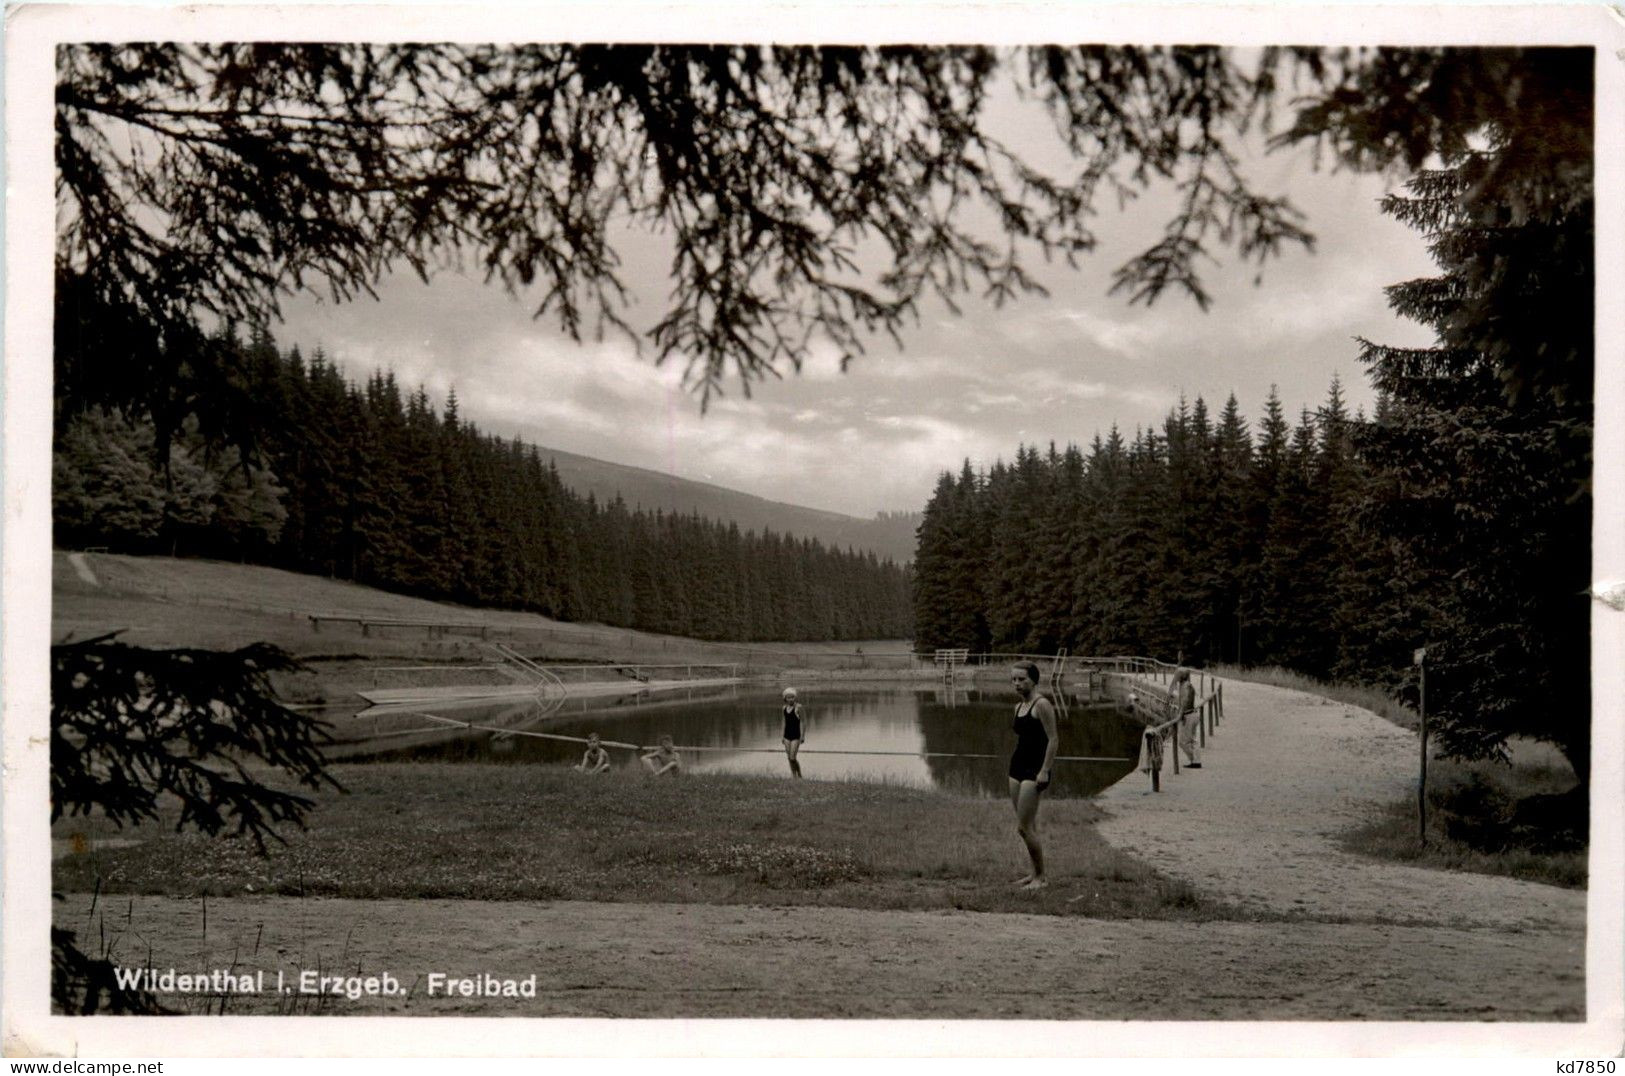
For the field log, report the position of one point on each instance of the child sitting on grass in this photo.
(596, 760)
(663, 759)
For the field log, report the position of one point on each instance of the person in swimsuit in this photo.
(663, 759)
(1030, 764)
(596, 760)
(795, 734)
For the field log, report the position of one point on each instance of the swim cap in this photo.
(789, 692)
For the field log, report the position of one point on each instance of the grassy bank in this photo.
(539, 832)
(167, 601)
(1524, 820)
(1366, 698)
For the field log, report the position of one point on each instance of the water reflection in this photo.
(955, 738)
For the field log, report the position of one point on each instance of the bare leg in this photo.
(1015, 803)
(1027, 825)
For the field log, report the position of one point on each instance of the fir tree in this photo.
(1483, 454)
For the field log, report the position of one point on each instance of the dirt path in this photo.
(1256, 826)
(669, 960)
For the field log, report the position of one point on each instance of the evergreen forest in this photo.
(244, 452)
(1199, 539)
(1454, 520)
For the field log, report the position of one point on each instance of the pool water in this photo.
(920, 736)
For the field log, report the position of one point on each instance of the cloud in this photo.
(823, 364)
(911, 367)
(982, 400)
(603, 400)
(1127, 338)
(973, 385)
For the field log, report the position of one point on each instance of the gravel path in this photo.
(1257, 825)
(674, 960)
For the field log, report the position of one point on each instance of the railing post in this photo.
(1154, 758)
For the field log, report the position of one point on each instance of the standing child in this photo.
(795, 732)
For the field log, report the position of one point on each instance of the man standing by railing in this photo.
(1184, 704)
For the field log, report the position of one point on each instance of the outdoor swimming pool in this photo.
(888, 731)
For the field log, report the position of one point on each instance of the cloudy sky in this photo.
(976, 386)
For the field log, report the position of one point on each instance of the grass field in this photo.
(170, 602)
(526, 832)
(167, 601)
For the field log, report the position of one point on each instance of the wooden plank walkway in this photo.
(477, 695)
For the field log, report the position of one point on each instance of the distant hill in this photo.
(890, 535)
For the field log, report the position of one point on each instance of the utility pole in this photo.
(1419, 658)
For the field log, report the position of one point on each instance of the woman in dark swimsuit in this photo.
(1036, 741)
(794, 734)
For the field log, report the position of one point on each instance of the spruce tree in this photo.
(1484, 464)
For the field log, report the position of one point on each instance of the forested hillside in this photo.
(249, 453)
(888, 535)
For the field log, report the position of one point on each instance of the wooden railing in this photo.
(1149, 700)
(586, 673)
(435, 628)
(1140, 683)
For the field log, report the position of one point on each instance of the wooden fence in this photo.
(1146, 696)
